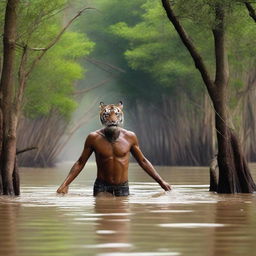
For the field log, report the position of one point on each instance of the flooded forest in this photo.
(127, 51)
(182, 77)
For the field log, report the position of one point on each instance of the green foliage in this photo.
(137, 37)
(35, 16)
(51, 83)
(153, 47)
(242, 41)
(110, 48)
(96, 26)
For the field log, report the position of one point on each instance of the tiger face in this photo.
(111, 115)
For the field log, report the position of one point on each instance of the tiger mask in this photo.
(111, 115)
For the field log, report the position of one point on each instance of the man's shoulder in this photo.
(95, 134)
(92, 138)
(99, 133)
(128, 133)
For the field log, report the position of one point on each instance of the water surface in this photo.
(186, 221)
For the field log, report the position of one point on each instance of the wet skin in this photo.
(112, 159)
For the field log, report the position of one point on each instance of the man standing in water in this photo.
(112, 146)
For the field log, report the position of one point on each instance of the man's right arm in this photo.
(78, 166)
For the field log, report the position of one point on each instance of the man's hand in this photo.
(166, 186)
(146, 165)
(62, 190)
(78, 165)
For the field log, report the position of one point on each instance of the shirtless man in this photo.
(112, 146)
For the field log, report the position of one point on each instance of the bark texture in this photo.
(8, 113)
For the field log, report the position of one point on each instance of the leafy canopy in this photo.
(153, 47)
(51, 83)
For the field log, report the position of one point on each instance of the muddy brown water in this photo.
(187, 221)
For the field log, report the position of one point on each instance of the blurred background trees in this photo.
(163, 91)
(126, 50)
(46, 68)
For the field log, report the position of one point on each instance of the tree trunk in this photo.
(1, 150)
(16, 178)
(234, 174)
(9, 124)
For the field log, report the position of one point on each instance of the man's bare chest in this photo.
(119, 148)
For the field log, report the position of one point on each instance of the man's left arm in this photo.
(146, 165)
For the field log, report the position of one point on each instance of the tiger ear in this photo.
(102, 105)
(120, 104)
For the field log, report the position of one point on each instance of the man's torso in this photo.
(112, 158)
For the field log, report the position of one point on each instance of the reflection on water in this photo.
(186, 221)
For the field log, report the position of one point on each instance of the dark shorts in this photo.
(116, 190)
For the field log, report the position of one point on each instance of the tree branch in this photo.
(104, 66)
(251, 10)
(190, 47)
(93, 87)
(37, 49)
(41, 17)
(25, 150)
(69, 133)
(55, 40)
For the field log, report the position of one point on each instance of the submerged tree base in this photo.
(10, 186)
(235, 175)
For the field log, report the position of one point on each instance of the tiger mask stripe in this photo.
(111, 115)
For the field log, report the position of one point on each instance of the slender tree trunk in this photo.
(1, 134)
(234, 174)
(16, 178)
(1, 150)
(9, 125)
